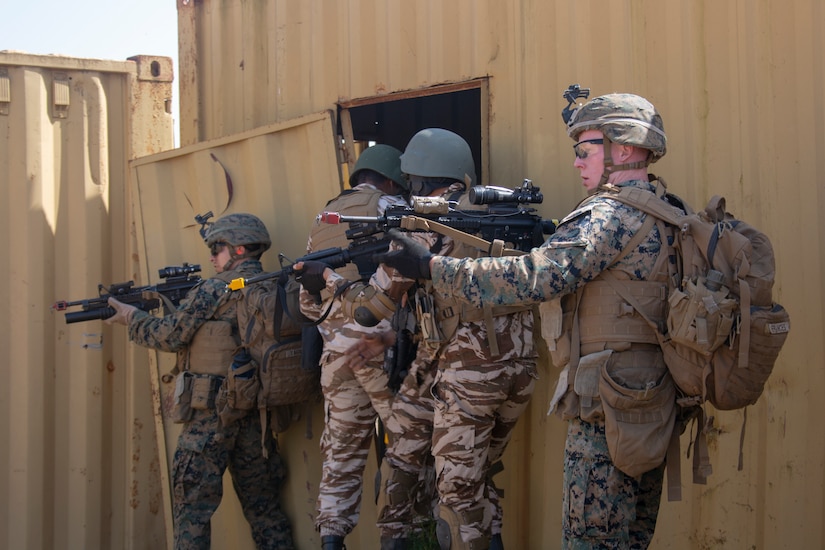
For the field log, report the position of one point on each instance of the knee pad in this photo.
(448, 528)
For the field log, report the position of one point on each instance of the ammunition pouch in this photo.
(204, 391)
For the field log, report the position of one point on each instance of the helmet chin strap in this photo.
(609, 167)
(235, 259)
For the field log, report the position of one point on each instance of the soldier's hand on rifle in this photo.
(123, 313)
(311, 275)
(410, 258)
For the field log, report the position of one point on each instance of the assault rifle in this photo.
(178, 281)
(506, 219)
(364, 244)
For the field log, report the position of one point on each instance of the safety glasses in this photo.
(581, 152)
(215, 248)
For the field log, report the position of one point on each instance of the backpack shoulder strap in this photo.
(646, 201)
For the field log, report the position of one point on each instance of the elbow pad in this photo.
(368, 306)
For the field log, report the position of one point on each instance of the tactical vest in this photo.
(598, 318)
(362, 201)
(215, 342)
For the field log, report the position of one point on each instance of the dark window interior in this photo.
(395, 122)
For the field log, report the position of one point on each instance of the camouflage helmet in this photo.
(439, 153)
(383, 159)
(239, 230)
(626, 119)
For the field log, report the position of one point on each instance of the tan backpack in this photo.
(724, 331)
(283, 348)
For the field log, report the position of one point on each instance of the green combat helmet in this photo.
(383, 159)
(439, 154)
(239, 230)
(626, 119)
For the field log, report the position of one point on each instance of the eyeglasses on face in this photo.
(580, 151)
(215, 248)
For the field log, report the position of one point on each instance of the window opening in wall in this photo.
(393, 119)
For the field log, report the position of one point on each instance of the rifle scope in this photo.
(178, 270)
(527, 193)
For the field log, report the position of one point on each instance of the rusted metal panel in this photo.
(79, 459)
(739, 85)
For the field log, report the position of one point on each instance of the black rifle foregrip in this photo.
(89, 315)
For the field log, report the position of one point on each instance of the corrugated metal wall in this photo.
(79, 464)
(740, 86)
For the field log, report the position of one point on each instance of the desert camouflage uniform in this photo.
(603, 507)
(459, 404)
(205, 449)
(352, 398)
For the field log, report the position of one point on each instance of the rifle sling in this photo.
(494, 249)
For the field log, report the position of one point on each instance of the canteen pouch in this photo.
(181, 403)
(204, 391)
(639, 411)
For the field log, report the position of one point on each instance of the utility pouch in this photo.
(734, 385)
(181, 404)
(242, 386)
(700, 318)
(586, 384)
(204, 391)
(426, 313)
(639, 414)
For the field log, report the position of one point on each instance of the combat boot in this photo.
(332, 542)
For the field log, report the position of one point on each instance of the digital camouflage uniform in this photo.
(205, 449)
(460, 404)
(602, 506)
(352, 397)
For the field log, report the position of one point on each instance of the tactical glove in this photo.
(123, 313)
(311, 276)
(411, 259)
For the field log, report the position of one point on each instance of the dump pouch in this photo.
(639, 411)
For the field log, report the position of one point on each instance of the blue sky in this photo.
(90, 28)
(99, 29)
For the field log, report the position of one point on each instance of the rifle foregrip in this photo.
(89, 315)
